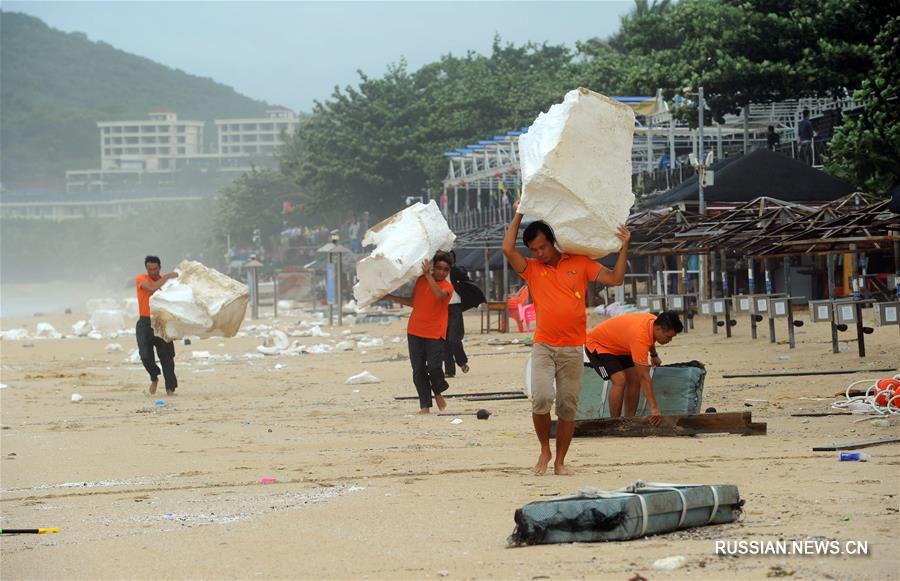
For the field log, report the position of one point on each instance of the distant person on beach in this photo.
(426, 332)
(772, 138)
(465, 295)
(147, 284)
(805, 135)
(618, 349)
(557, 282)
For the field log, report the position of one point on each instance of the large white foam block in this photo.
(201, 302)
(403, 242)
(576, 171)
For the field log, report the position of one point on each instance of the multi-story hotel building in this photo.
(162, 144)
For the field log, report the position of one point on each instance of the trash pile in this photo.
(878, 396)
(576, 171)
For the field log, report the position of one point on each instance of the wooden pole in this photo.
(686, 425)
(829, 261)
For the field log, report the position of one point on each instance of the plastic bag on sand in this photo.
(81, 328)
(576, 171)
(274, 343)
(112, 347)
(46, 330)
(403, 242)
(15, 335)
(364, 377)
(201, 302)
(108, 322)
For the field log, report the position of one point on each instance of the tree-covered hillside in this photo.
(55, 86)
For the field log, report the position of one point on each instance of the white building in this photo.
(151, 151)
(240, 140)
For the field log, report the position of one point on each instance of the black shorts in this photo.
(606, 364)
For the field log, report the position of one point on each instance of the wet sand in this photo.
(365, 488)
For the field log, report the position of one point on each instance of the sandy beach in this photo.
(365, 488)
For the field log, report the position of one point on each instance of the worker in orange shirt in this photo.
(618, 349)
(557, 282)
(147, 284)
(426, 332)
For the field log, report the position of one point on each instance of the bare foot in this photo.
(152, 388)
(170, 392)
(424, 411)
(442, 403)
(543, 461)
(562, 470)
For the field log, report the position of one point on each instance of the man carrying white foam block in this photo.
(557, 283)
(147, 284)
(576, 171)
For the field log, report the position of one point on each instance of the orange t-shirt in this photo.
(630, 334)
(558, 295)
(429, 315)
(143, 296)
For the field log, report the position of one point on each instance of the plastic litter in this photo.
(76, 397)
(854, 457)
(201, 302)
(402, 242)
(576, 171)
(669, 563)
(47, 331)
(81, 329)
(456, 421)
(113, 347)
(199, 354)
(359, 378)
(15, 335)
(274, 342)
(369, 342)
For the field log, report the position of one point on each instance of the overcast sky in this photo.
(292, 53)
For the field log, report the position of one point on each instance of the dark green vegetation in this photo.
(56, 86)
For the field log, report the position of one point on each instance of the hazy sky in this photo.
(291, 53)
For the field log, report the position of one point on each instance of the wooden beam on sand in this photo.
(479, 395)
(802, 373)
(688, 425)
(855, 445)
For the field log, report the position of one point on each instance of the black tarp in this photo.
(759, 173)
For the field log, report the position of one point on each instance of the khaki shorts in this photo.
(565, 365)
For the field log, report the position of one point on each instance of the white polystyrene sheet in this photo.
(576, 171)
(201, 302)
(402, 243)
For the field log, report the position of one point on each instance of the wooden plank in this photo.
(802, 373)
(855, 445)
(519, 395)
(686, 425)
(452, 395)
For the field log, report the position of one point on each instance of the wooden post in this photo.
(724, 271)
(792, 342)
(751, 289)
(770, 288)
(829, 261)
(712, 291)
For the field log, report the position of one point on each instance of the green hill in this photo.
(55, 86)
